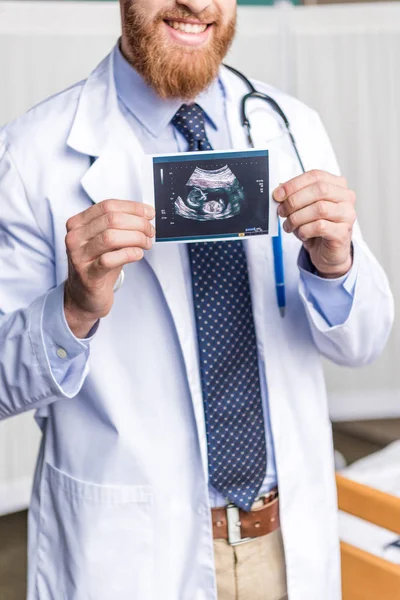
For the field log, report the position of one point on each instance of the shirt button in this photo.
(61, 353)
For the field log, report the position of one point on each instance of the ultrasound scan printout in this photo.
(201, 196)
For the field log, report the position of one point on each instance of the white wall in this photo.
(342, 60)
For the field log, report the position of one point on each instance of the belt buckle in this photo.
(234, 526)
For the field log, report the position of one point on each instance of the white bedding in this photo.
(380, 470)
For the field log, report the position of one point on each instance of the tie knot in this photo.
(189, 121)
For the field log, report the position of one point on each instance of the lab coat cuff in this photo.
(329, 300)
(66, 355)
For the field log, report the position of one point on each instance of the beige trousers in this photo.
(254, 570)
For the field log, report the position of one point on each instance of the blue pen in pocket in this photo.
(279, 270)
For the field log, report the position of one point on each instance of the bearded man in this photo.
(186, 450)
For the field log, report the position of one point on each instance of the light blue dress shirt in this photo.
(150, 118)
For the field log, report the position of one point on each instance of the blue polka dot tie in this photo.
(228, 352)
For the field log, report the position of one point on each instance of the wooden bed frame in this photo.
(365, 576)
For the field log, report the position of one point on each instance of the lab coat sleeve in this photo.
(32, 323)
(363, 334)
(334, 295)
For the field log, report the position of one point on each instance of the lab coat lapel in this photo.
(100, 131)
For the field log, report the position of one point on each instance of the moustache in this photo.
(206, 16)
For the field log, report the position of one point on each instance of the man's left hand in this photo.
(319, 210)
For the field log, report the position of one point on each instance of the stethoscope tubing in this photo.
(254, 93)
(277, 245)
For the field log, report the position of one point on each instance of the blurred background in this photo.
(343, 60)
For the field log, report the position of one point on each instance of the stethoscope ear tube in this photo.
(276, 240)
(253, 93)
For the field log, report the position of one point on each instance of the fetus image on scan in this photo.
(212, 195)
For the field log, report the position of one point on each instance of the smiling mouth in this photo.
(188, 27)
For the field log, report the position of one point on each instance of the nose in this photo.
(195, 6)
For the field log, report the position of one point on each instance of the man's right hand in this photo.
(100, 241)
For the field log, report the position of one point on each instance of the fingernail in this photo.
(149, 212)
(279, 194)
(286, 226)
(281, 210)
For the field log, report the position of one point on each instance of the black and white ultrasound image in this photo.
(210, 198)
(212, 194)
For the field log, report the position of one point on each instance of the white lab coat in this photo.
(120, 503)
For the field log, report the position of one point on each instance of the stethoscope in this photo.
(277, 240)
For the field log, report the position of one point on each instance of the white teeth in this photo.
(187, 27)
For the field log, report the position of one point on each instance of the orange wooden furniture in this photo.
(365, 576)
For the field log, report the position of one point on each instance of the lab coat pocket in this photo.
(96, 542)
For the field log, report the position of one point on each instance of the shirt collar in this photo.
(153, 112)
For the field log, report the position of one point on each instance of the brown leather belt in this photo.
(237, 526)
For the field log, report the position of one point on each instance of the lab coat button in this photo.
(61, 353)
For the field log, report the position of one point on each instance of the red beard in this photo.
(174, 71)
